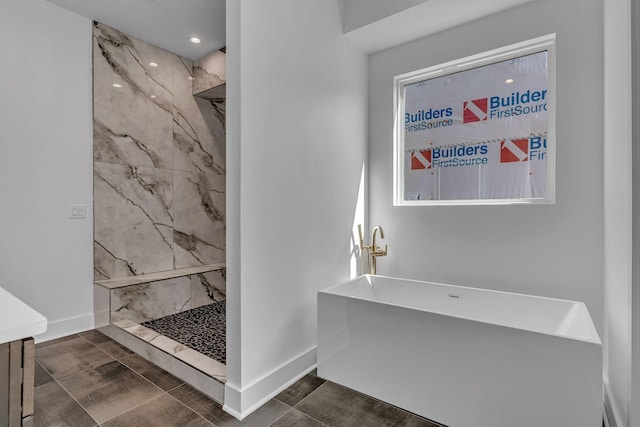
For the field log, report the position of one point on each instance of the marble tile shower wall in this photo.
(159, 172)
(154, 300)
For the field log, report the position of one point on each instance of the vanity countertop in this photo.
(17, 319)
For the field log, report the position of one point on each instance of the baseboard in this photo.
(232, 399)
(240, 402)
(65, 327)
(612, 416)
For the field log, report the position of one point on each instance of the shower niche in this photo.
(159, 205)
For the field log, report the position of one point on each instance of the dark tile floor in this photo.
(90, 380)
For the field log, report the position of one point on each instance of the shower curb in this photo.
(206, 384)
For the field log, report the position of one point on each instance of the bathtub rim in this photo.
(595, 337)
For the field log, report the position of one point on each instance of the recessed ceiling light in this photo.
(153, 64)
(508, 81)
(189, 78)
(153, 96)
(117, 85)
(195, 40)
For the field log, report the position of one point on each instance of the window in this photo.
(479, 130)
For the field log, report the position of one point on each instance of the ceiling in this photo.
(388, 25)
(168, 24)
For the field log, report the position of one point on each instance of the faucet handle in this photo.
(377, 251)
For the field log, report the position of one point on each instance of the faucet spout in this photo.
(373, 234)
(375, 251)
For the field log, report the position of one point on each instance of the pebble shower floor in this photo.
(203, 329)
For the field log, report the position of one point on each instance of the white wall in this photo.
(358, 13)
(296, 143)
(617, 210)
(634, 405)
(554, 251)
(46, 259)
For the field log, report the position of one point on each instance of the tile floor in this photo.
(203, 329)
(90, 380)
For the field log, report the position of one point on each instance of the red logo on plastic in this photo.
(474, 111)
(421, 159)
(514, 150)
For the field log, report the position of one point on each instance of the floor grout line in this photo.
(307, 396)
(285, 413)
(176, 387)
(196, 411)
(132, 408)
(436, 424)
(68, 393)
(289, 408)
(114, 360)
(188, 402)
(315, 419)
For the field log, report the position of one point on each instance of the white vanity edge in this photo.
(17, 319)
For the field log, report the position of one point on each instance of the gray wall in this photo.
(554, 251)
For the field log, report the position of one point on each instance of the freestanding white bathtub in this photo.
(463, 357)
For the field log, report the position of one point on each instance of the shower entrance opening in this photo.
(176, 319)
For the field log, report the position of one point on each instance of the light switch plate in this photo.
(78, 211)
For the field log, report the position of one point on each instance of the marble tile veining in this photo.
(159, 193)
(159, 185)
(208, 287)
(168, 345)
(212, 368)
(219, 106)
(199, 229)
(160, 298)
(132, 122)
(152, 300)
(194, 126)
(209, 366)
(134, 219)
(203, 79)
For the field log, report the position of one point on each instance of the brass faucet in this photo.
(373, 249)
